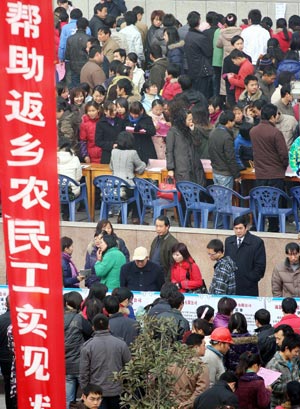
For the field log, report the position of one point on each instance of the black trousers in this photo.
(5, 366)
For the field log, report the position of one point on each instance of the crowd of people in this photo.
(208, 89)
(101, 330)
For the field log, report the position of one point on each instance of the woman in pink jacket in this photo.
(184, 271)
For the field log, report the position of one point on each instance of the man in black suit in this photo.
(248, 252)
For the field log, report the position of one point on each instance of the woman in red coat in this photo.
(184, 271)
(282, 34)
(251, 391)
(88, 149)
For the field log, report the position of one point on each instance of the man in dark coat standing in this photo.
(198, 51)
(248, 252)
(161, 246)
(270, 154)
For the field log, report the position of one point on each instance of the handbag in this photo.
(168, 184)
(199, 290)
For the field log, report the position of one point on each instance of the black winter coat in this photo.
(221, 152)
(266, 343)
(250, 259)
(76, 50)
(218, 395)
(143, 141)
(106, 136)
(77, 330)
(183, 156)
(198, 51)
(148, 278)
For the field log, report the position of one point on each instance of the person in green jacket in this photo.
(109, 262)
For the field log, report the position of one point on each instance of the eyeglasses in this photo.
(211, 254)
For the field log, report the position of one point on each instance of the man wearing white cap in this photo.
(141, 274)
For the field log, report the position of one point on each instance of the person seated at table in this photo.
(68, 165)
(141, 125)
(124, 163)
(107, 130)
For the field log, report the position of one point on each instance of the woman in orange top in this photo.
(184, 271)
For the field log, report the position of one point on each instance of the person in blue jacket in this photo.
(243, 146)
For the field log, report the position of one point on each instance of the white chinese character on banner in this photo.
(19, 63)
(29, 111)
(25, 149)
(23, 16)
(28, 320)
(36, 360)
(30, 231)
(40, 402)
(38, 189)
(30, 286)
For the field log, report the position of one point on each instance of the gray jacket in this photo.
(221, 152)
(99, 358)
(125, 164)
(179, 155)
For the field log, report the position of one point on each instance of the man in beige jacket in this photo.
(286, 275)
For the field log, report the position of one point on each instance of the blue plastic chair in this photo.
(223, 201)
(112, 193)
(148, 193)
(191, 193)
(295, 193)
(63, 185)
(265, 202)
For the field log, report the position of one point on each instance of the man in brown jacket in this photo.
(191, 383)
(91, 72)
(270, 154)
(286, 275)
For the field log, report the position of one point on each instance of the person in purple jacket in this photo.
(71, 277)
(226, 306)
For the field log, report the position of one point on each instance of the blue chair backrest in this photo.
(190, 192)
(147, 191)
(112, 188)
(65, 195)
(295, 192)
(222, 197)
(266, 198)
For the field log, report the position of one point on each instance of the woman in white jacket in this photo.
(124, 163)
(69, 165)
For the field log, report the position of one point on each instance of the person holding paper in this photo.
(251, 390)
(285, 362)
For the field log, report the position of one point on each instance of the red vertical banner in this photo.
(30, 206)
